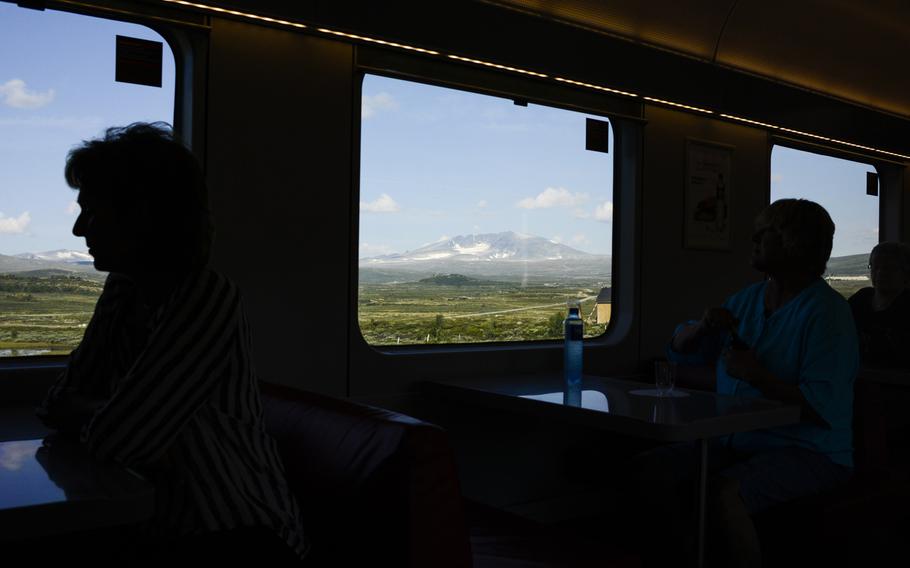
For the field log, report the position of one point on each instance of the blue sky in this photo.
(57, 88)
(435, 162)
(838, 185)
(438, 162)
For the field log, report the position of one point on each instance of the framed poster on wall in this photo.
(708, 195)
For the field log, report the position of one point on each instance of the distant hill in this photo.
(56, 272)
(457, 280)
(66, 264)
(851, 265)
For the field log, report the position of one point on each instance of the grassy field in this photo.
(44, 315)
(849, 287)
(418, 313)
(48, 315)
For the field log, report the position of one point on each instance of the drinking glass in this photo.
(664, 377)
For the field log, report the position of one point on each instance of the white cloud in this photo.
(16, 95)
(553, 197)
(383, 204)
(482, 203)
(604, 212)
(14, 454)
(72, 207)
(372, 104)
(777, 178)
(557, 239)
(367, 249)
(14, 225)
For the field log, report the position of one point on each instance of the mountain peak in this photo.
(58, 255)
(485, 247)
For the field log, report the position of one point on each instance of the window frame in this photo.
(626, 122)
(890, 178)
(187, 39)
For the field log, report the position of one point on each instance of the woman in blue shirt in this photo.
(790, 338)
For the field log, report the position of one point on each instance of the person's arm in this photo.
(745, 366)
(714, 322)
(192, 349)
(695, 347)
(74, 397)
(828, 363)
(71, 411)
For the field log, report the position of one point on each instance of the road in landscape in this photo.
(515, 309)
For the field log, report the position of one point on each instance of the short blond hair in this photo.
(806, 230)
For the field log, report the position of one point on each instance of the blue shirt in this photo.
(809, 342)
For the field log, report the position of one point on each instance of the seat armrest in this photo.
(374, 486)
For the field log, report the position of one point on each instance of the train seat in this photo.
(374, 487)
(856, 522)
(380, 488)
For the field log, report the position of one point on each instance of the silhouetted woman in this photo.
(163, 380)
(790, 338)
(882, 312)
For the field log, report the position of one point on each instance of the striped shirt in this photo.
(183, 406)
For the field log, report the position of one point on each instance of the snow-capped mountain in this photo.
(60, 261)
(497, 256)
(489, 247)
(60, 255)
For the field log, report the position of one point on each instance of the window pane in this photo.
(840, 187)
(55, 91)
(479, 217)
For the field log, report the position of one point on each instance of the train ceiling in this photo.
(849, 49)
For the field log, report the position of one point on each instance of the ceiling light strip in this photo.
(531, 73)
(237, 13)
(747, 121)
(378, 41)
(670, 103)
(497, 66)
(596, 87)
(814, 136)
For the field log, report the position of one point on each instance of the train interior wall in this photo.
(281, 159)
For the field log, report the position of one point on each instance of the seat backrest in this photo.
(374, 487)
(870, 430)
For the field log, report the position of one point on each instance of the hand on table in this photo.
(744, 365)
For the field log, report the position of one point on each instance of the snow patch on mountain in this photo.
(60, 255)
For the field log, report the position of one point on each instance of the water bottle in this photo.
(574, 328)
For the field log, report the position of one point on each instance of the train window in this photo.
(839, 186)
(479, 217)
(56, 88)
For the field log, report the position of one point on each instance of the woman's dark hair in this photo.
(806, 230)
(143, 167)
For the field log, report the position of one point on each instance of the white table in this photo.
(57, 488)
(612, 404)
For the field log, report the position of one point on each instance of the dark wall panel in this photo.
(278, 161)
(679, 283)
